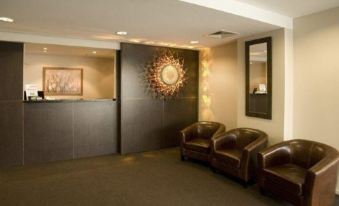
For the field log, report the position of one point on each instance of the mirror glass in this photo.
(258, 78)
(169, 75)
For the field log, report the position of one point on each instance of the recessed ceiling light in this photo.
(6, 19)
(194, 42)
(94, 52)
(122, 33)
(45, 48)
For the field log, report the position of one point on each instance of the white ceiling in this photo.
(164, 22)
(167, 21)
(293, 8)
(48, 49)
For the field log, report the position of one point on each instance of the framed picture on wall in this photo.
(60, 81)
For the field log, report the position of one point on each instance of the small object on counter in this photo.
(32, 98)
(50, 98)
(31, 91)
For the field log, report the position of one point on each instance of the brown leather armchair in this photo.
(196, 140)
(300, 171)
(235, 152)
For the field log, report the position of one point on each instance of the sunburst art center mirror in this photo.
(165, 74)
(169, 75)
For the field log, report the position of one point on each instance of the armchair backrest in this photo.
(208, 129)
(245, 136)
(307, 153)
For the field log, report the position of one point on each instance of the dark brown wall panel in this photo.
(142, 125)
(185, 113)
(11, 108)
(148, 123)
(11, 71)
(48, 132)
(95, 128)
(11, 134)
(69, 130)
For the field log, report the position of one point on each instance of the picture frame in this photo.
(62, 81)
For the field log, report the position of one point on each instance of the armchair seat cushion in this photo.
(290, 177)
(231, 157)
(198, 145)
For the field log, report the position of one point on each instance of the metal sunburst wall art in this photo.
(165, 75)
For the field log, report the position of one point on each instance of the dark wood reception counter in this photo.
(69, 129)
(43, 131)
(68, 101)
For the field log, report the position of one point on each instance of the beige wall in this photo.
(98, 79)
(307, 61)
(222, 86)
(274, 127)
(218, 86)
(316, 85)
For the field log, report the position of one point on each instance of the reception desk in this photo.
(68, 129)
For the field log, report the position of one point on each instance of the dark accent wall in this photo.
(148, 123)
(48, 131)
(11, 109)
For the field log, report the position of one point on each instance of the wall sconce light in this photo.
(207, 100)
(206, 72)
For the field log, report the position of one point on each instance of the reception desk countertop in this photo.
(68, 100)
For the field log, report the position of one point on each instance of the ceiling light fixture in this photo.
(6, 19)
(94, 52)
(194, 42)
(122, 33)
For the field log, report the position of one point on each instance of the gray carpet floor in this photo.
(151, 178)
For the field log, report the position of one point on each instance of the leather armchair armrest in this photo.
(249, 156)
(324, 165)
(187, 133)
(225, 140)
(252, 149)
(219, 131)
(320, 181)
(274, 155)
(258, 144)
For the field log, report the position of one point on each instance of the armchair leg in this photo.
(214, 170)
(244, 184)
(262, 191)
(183, 158)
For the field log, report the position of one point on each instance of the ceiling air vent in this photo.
(222, 34)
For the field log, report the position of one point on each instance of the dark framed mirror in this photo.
(258, 58)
